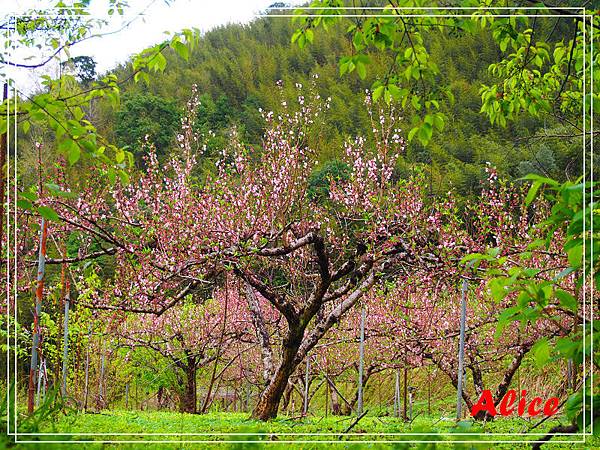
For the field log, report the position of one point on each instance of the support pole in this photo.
(397, 395)
(404, 410)
(65, 365)
(461, 350)
(101, 382)
(429, 391)
(39, 292)
(87, 375)
(306, 381)
(40, 380)
(326, 396)
(359, 408)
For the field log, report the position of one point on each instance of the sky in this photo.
(151, 19)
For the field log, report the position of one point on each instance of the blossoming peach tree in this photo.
(171, 233)
(300, 262)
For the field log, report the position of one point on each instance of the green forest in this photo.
(356, 224)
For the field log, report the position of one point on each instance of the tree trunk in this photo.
(188, 399)
(160, 397)
(268, 403)
(287, 396)
(336, 409)
(261, 332)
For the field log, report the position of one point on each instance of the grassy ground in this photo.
(179, 429)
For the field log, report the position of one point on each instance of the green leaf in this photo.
(24, 204)
(566, 300)
(541, 352)
(296, 35)
(493, 252)
(158, 62)
(309, 35)
(74, 154)
(377, 93)
(387, 96)
(70, 148)
(531, 194)
(415, 102)
(559, 52)
(56, 190)
(357, 40)
(395, 91)
(124, 177)
(28, 195)
(48, 213)
(425, 132)
(573, 405)
(361, 70)
(575, 256)
(181, 49)
(411, 133)
(119, 156)
(438, 121)
(141, 76)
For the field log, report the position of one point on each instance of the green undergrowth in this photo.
(123, 429)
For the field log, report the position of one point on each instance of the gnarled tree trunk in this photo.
(287, 396)
(188, 398)
(268, 403)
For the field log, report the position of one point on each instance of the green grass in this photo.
(171, 426)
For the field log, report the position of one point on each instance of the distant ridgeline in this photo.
(236, 68)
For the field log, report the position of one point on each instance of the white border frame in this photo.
(583, 434)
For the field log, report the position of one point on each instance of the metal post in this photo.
(33, 369)
(397, 395)
(101, 381)
(65, 365)
(40, 378)
(359, 409)
(404, 412)
(461, 350)
(429, 391)
(248, 395)
(306, 379)
(326, 397)
(410, 405)
(87, 377)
